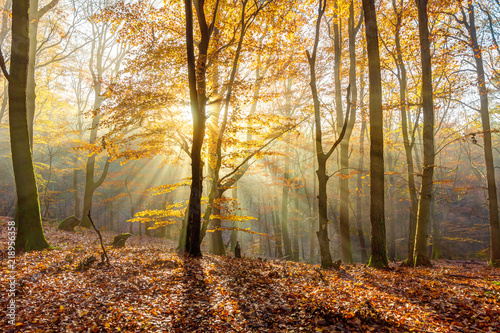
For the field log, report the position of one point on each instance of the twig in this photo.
(100, 238)
(321, 276)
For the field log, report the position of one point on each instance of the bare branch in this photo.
(4, 68)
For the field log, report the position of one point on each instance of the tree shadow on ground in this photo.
(265, 302)
(192, 315)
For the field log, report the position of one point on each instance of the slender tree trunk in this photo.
(34, 17)
(286, 179)
(111, 215)
(234, 233)
(407, 141)
(31, 86)
(314, 215)
(90, 184)
(295, 230)
(390, 210)
(29, 233)
(345, 237)
(268, 233)
(359, 199)
(182, 233)
(322, 233)
(277, 233)
(46, 190)
(284, 211)
(322, 157)
(76, 196)
(217, 244)
(131, 202)
(197, 93)
(378, 256)
(436, 230)
(424, 207)
(359, 184)
(488, 152)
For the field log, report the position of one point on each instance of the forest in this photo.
(249, 165)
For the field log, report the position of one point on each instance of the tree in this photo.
(408, 140)
(29, 233)
(322, 157)
(198, 98)
(345, 237)
(424, 206)
(468, 20)
(35, 16)
(106, 56)
(378, 257)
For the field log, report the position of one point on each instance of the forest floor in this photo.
(150, 288)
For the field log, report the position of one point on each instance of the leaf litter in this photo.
(151, 288)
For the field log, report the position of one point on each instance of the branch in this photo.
(4, 68)
(100, 238)
(344, 128)
(46, 8)
(260, 149)
(55, 57)
(361, 17)
(103, 175)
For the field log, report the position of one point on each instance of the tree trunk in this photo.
(31, 86)
(266, 231)
(29, 233)
(322, 157)
(424, 208)
(46, 195)
(322, 233)
(131, 202)
(217, 244)
(436, 230)
(359, 184)
(314, 215)
(277, 233)
(76, 196)
(197, 87)
(345, 236)
(90, 184)
(488, 152)
(378, 256)
(34, 17)
(234, 233)
(295, 230)
(390, 208)
(284, 211)
(407, 141)
(343, 226)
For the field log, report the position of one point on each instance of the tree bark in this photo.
(488, 152)
(424, 208)
(322, 233)
(34, 17)
(90, 184)
(277, 233)
(390, 208)
(234, 233)
(197, 96)
(378, 256)
(436, 230)
(29, 233)
(295, 230)
(407, 141)
(286, 181)
(359, 184)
